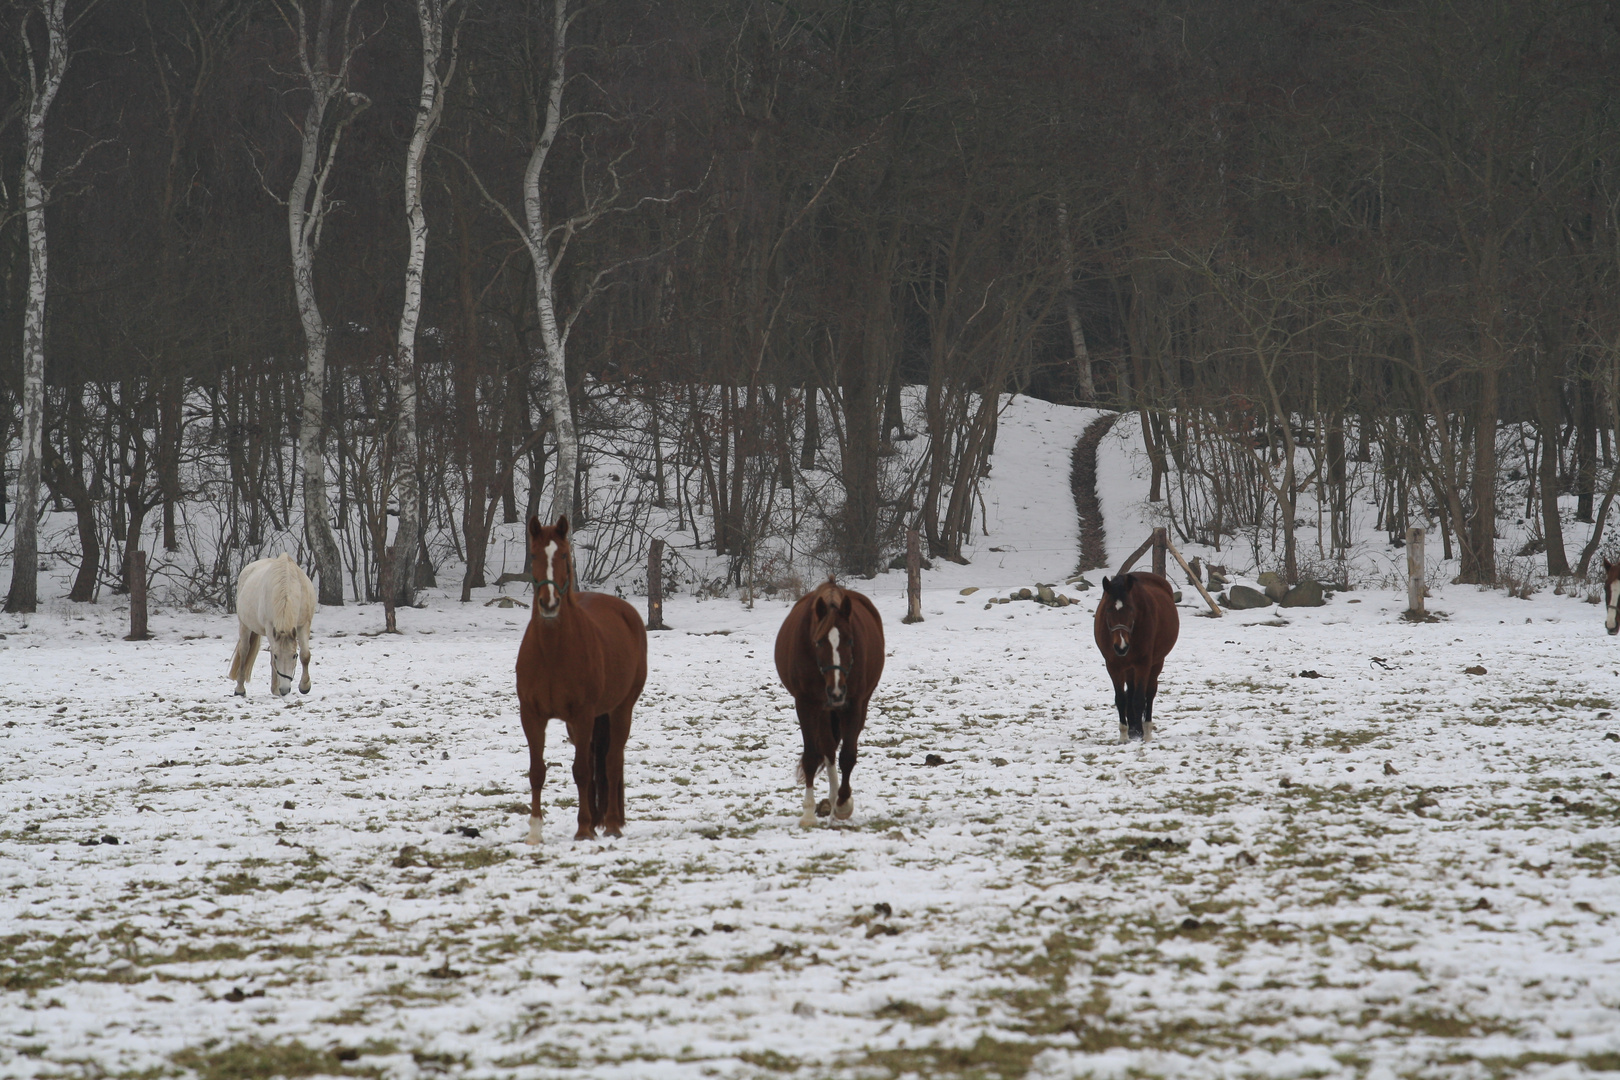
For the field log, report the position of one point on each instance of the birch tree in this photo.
(547, 243)
(44, 80)
(332, 108)
(545, 268)
(430, 16)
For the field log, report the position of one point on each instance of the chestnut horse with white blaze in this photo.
(583, 661)
(829, 655)
(1136, 626)
(275, 603)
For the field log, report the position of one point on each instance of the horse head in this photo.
(832, 638)
(550, 554)
(1611, 596)
(283, 659)
(1118, 611)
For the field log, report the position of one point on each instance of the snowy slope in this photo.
(290, 892)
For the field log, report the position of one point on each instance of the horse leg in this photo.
(844, 805)
(1122, 703)
(303, 655)
(599, 770)
(1134, 695)
(1147, 707)
(812, 722)
(613, 802)
(247, 651)
(534, 730)
(580, 733)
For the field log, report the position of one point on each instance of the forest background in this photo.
(359, 277)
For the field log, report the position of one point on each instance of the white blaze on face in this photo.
(1119, 605)
(838, 661)
(551, 576)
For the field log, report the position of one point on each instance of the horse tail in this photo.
(242, 659)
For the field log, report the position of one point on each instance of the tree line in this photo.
(379, 274)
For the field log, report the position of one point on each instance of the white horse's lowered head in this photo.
(275, 601)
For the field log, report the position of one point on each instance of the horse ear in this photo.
(562, 525)
(843, 609)
(821, 609)
(534, 527)
(1128, 581)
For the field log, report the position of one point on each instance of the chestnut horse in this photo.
(1611, 596)
(583, 661)
(1136, 627)
(829, 655)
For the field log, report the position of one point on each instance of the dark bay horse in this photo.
(1611, 596)
(583, 661)
(829, 655)
(1136, 627)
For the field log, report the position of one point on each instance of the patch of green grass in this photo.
(769, 1060)
(254, 1060)
(987, 1059)
(911, 1013)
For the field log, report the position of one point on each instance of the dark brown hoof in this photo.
(585, 834)
(613, 831)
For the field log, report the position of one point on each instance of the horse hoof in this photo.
(534, 832)
(845, 810)
(585, 834)
(808, 821)
(239, 692)
(1147, 731)
(1124, 735)
(303, 687)
(612, 833)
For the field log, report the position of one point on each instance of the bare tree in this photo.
(44, 80)
(308, 203)
(437, 70)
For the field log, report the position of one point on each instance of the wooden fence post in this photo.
(137, 596)
(913, 578)
(1414, 571)
(1160, 540)
(655, 586)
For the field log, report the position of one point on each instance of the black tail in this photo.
(599, 777)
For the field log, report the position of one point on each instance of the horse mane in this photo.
(833, 594)
(287, 602)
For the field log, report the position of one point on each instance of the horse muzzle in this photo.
(1121, 648)
(837, 699)
(548, 612)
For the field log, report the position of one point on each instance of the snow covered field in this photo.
(1395, 869)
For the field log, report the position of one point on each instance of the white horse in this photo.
(274, 601)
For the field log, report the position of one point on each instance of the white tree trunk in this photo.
(401, 588)
(545, 299)
(23, 595)
(1087, 389)
(307, 204)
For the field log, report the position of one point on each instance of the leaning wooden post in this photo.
(1414, 571)
(1160, 540)
(137, 596)
(913, 578)
(1192, 578)
(655, 587)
